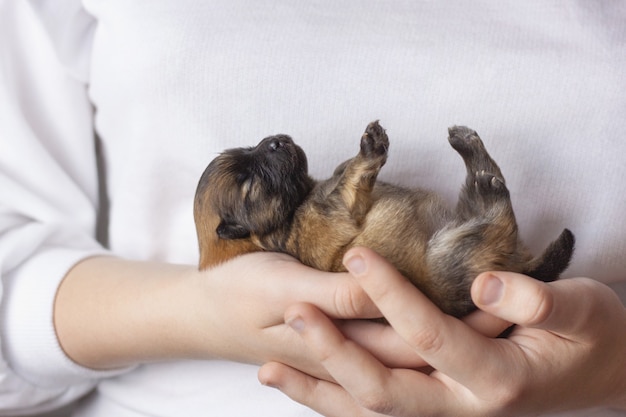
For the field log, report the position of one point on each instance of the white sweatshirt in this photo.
(167, 84)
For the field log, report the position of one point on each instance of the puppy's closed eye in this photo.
(231, 231)
(242, 177)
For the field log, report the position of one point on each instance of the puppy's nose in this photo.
(278, 141)
(275, 144)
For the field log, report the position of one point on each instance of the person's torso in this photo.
(174, 83)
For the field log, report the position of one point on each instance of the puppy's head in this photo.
(248, 191)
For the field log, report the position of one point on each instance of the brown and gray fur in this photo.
(262, 198)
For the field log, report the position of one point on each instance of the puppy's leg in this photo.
(357, 176)
(485, 199)
(334, 213)
(484, 235)
(484, 185)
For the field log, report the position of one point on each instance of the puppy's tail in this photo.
(554, 260)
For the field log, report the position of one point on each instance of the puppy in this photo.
(263, 199)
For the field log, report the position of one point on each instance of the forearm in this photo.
(112, 313)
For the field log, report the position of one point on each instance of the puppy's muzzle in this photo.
(275, 143)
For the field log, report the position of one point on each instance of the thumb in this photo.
(562, 307)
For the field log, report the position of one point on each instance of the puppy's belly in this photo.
(399, 234)
(399, 226)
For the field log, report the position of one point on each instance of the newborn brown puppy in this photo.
(262, 198)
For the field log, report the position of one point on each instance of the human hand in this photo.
(248, 298)
(567, 351)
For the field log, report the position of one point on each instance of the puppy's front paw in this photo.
(464, 140)
(374, 142)
(489, 184)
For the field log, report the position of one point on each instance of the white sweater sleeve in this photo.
(48, 197)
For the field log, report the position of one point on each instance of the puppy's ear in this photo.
(231, 231)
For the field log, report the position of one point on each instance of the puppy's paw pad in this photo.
(374, 141)
(463, 139)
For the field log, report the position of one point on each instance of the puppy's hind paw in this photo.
(374, 142)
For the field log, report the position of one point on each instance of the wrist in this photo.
(113, 313)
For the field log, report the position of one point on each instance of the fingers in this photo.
(486, 324)
(282, 281)
(382, 341)
(337, 294)
(562, 307)
(370, 384)
(334, 350)
(441, 340)
(473, 372)
(324, 397)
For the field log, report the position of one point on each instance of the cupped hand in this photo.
(566, 352)
(248, 296)
(245, 303)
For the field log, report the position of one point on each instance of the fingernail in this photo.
(492, 290)
(296, 323)
(270, 384)
(356, 265)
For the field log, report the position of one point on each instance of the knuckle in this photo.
(378, 402)
(350, 301)
(426, 339)
(542, 306)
